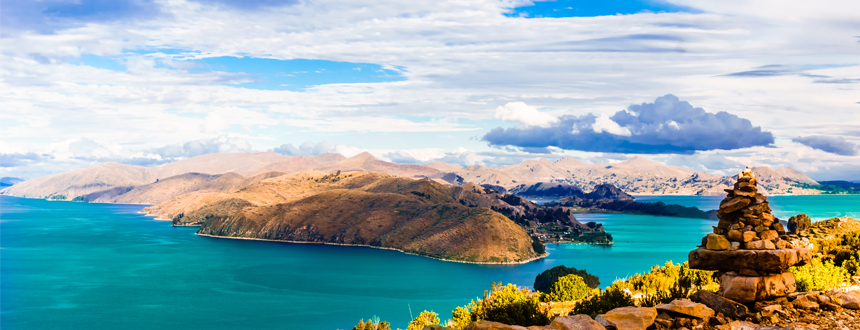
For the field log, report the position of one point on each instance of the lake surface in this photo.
(67, 265)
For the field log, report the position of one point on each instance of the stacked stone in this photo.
(749, 247)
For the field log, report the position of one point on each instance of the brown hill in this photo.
(358, 208)
(365, 162)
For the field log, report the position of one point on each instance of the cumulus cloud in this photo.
(523, 113)
(832, 144)
(668, 125)
(311, 149)
(223, 143)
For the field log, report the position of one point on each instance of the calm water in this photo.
(70, 265)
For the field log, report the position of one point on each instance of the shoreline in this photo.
(546, 254)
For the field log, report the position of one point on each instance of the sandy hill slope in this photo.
(365, 162)
(373, 209)
(83, 181)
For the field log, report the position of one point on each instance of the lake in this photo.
(67, 265)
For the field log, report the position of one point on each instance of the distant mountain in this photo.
(104, 182)
(10, 181)
(357, 208)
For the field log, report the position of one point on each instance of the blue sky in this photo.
(711, 86)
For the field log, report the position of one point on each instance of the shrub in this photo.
(461, 317)
(818, 275)
(545, 280)
(664, 279)
(852, 264)
(568, 288)
(539, 248)
(614, 297)
(372, 324)
(507, 304)
(424, 319)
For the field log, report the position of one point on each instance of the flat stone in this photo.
(768, 261)
(808, 302)
(739, 192)
(780, 229)
(719, 304)
(783, 244)
(850, 299)
(738, 325)
(489, 325)
(749, 236)
(576, 322)
(628, 318)
(746, 289)
(761, 245)
(717, 242)
(689, 308)
(734, 204)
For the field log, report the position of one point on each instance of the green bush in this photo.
(424, 319)
(568, 288)
(818, 275)
(852, 265)
(614, 297)
(507, 304)
(539, 248)
(545, 280)
(663, 279)
(372, 324)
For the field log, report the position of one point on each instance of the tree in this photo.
(568, 288)
(545, 280)
(539, 248)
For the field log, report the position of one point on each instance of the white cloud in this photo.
(523, 113)
(605, 124)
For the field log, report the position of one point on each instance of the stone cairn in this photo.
(749, 247)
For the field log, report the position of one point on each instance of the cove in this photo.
(80, 266)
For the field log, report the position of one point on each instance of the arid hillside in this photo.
(413, 215)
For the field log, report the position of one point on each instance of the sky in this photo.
(709, 85)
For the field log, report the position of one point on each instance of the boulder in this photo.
(628, 318)
(747, 289)
(736, 235)
(749, 236)
(489, 325)
(734, 204)
(688, 308)
(808, 302)
(576, 322)
(761, 245)
(725, 306)
(717, 242)
(767, 261)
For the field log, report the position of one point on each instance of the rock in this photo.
(850, 299)
(735, 246)
(761, 245)
(807, 302)
(768, 261)
(722, 305)
(717, 242)
(736, 235)
(438, 327)
(779, 228)
(746, 289)
(633, 318)
(734, 204)
(749, 236)
(783, 244)
(738, 325)
(489, 325)
(576, 322)
(689, 308)
(739, 192)
(770, 310)
(769, 235)
(799, 223)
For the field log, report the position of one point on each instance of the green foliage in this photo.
(80, 199)
(461, 317)
(682, 288)
(614, 297)
(424, 319)
(818, 275)
(545, 280)
(372, 324)
(664, 279)
(833, 187)
(852, 264)
(507, 304)
(538, 246)
(568, 288)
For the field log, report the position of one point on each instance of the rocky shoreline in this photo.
(546, 254)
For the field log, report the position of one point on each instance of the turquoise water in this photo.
(817, 207)
(70, 265)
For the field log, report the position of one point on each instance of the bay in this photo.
(67, 265)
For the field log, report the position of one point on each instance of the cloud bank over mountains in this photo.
(668, 125)
(419, 81)
(832, 144)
